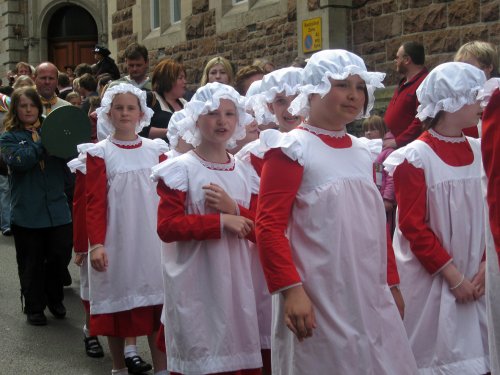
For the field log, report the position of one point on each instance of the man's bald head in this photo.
(46, 79)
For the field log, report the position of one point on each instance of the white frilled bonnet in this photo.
(336, 64)
(449, 87)
(104, 126)
(253, 104)
(286, 80)
(491, 85)
(174, 126)
(206, 99)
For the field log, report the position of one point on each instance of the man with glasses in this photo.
(400, 114)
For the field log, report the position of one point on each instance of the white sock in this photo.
(130, 351)
(86, 332)
(162, 372)
(123, 371)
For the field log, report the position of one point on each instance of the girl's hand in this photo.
(239, 225)
(478, 281)
(460, 287)
(398, 298)
(217, 198)
(99, 259)
(79, 258)
(299, 312)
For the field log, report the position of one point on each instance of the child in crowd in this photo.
(272, 99)
(74, 98)
(93, 347)
(40, 216)
(440, 235)
(209, 311)
(322, 236)
(374, 128)
(126, 293)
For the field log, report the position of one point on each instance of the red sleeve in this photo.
(411, 133)
(411, 196)
(175, 225)
(97, 199)
(490, 147)
(280, 181)
(250, 214)
(392, 268)
(257, 163)
(162, 157)
(80, 237)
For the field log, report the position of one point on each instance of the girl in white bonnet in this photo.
(321, 233)
(440, 235)
(204, 217)
(125, 283)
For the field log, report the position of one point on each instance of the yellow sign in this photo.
(311, 35)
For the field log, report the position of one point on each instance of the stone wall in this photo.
(379, 27)
(274, 38)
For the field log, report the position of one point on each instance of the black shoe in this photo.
(58, 310)
(136, 365)
(93, 347)
(36, 319)
(66, 278)
(7, 232)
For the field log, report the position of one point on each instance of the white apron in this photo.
(133, 278)
(338, 239)
(446, 337)
(209, 312)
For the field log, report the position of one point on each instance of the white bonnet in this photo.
(336, 64)
(253, 104)
(104, 126)
(491, 85)
(285, 80)
(449, 87)
(206, 99)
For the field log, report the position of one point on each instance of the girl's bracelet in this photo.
(96, 246)
(459, 283)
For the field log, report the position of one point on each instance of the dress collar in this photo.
(127, 144)
(444, 138)
(321, 131)
(228, 166)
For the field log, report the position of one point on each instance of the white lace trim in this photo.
(134, 142)
(215, 166)
(444, 138)
(321, 131)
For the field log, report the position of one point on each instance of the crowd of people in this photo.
(244, 231)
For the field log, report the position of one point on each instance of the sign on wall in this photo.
(311, 35)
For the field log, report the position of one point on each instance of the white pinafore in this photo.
(210, 315)
(446, 337)
(338, 239)
(133, 278)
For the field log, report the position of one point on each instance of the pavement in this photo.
(54, 349)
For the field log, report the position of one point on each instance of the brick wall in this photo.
(274, 39)
(381, 26)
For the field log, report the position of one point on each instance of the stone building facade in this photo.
(243, 30)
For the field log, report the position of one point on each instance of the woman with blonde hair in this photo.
(218, 69)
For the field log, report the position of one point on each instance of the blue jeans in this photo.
(4, 203)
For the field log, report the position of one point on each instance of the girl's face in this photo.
(279, 107)
(217, 73)
(125, 112)
(218, 126)
(252, 133)
(372, 133)
(27, 111)
(341, 105)
(179, 87)
(76, 101)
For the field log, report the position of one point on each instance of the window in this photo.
(155, 14)
(175, 11)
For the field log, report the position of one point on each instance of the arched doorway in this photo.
(71, 36)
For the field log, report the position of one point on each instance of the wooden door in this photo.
(71, 53)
